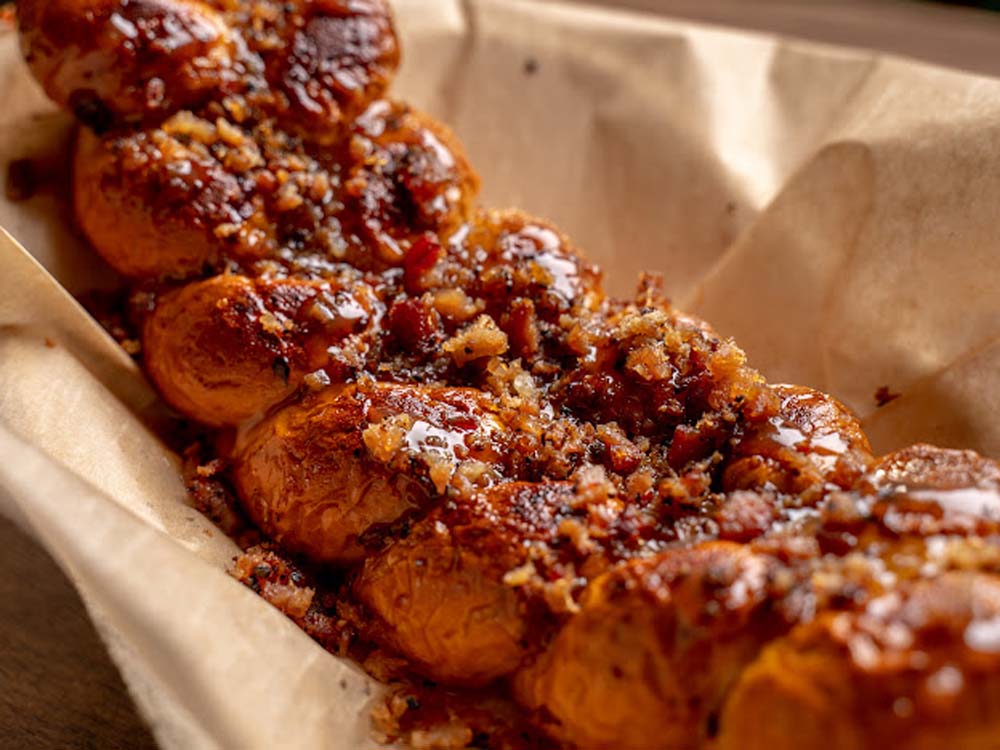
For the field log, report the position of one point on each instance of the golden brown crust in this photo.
(406, 180)
(917, 668)
(812, 441)
(155, 207)
(327, 58)
(107, 60)
(909, 573)
(315, 64)
(648, 660)
(919, 492)
(926, 467)
(205, 191)
(446, 595)
(320, 475)
(226, 349)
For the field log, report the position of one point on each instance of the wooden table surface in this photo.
(58, 688)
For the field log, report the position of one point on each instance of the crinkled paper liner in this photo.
(835, 211)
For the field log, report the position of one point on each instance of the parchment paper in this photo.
(834, 210)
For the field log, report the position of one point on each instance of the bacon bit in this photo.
(385, 439)
(690, 444)
(520, 576)
(266, 181)
(559, 597)
(650, 362)
(440, 470)
(745, 515)
(522, 327)
(316, 381)
(185, 124)
(226, 230)
(236, 107)
(447, 737)
(211, 497)
(210, 469)
(414, 325)
(319, 187)
(456, 305)
(592, 486)
(639, 483)
(650, 291)
(623, 454)
(578, 535)
(422, 256)
(274, 324)
(480, 339)
(229, 133)
(289, 197)
(476, 472)
(243, 157)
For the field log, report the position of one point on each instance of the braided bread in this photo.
(594, 501)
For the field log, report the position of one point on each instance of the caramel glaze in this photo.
(517, 479)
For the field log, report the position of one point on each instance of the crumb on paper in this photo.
(49, 343)
(443, 737)
(883, 396)
(277, 581)
(531, 66)
(210, 495)
(390, 725)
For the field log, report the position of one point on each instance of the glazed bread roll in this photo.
(226, 349)
(321, 475)
(444, 595)
(199, 193)
(918, 669)
(812, 441)
(109, 61)
(112, 62)
(648, 660)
